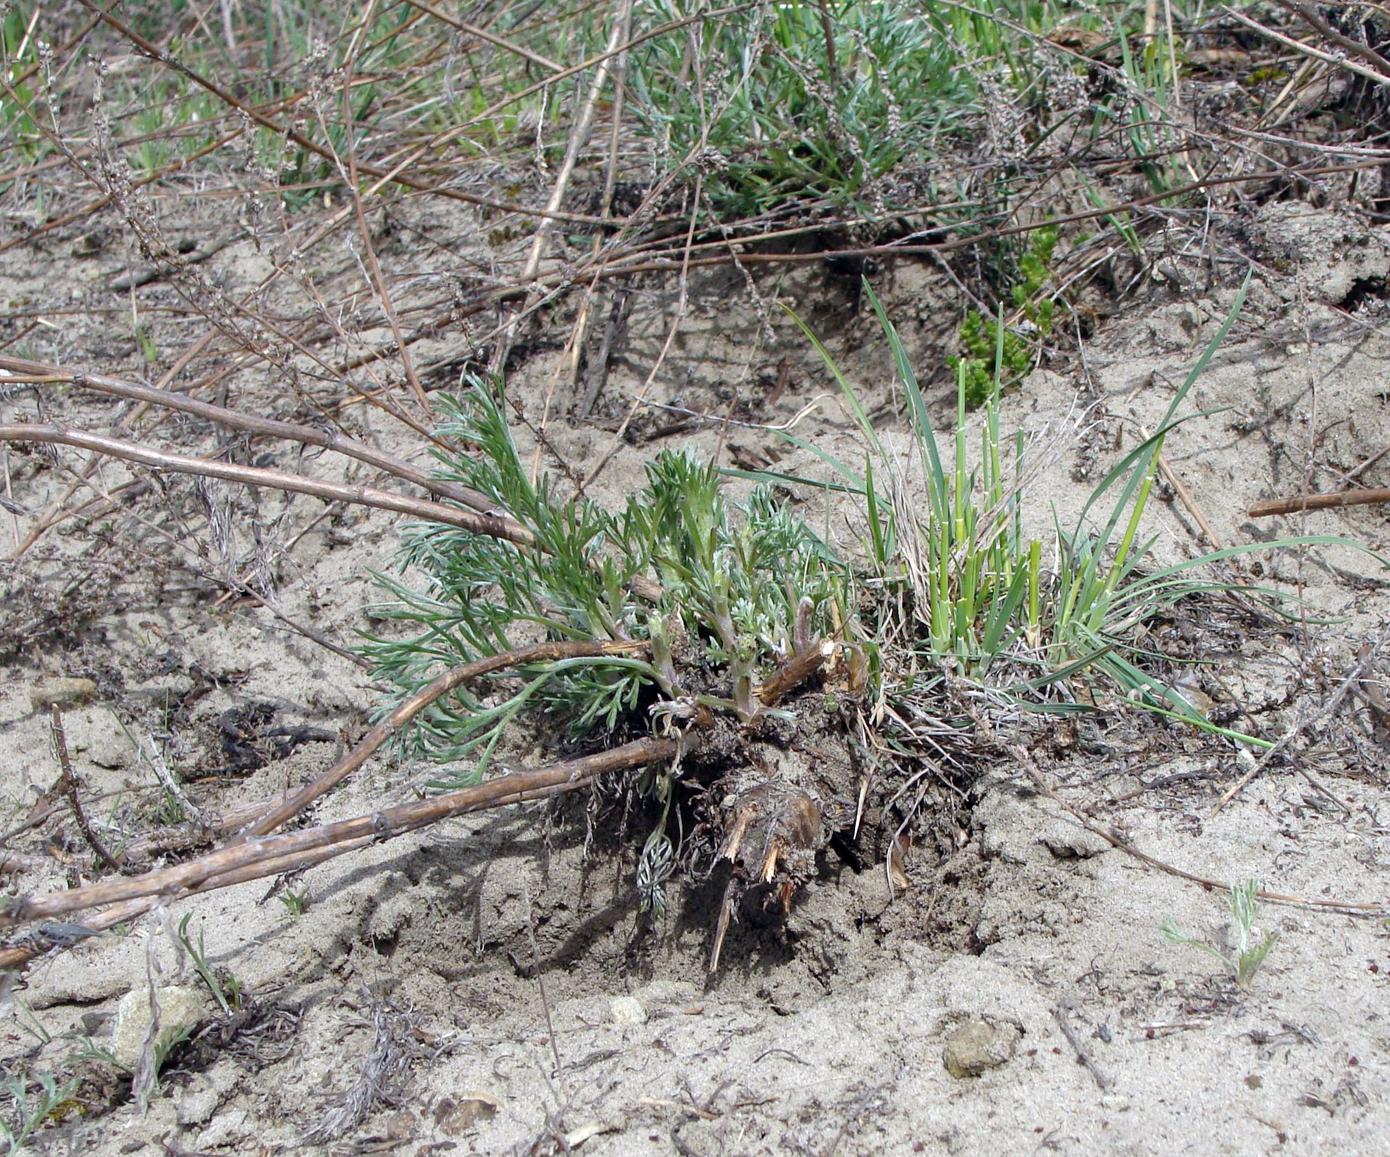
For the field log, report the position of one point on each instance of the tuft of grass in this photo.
(971, 596)
(296, 903)
(1249, 950)
(950, 579)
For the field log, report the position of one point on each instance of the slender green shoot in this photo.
(30, 1112)
(225, 990)
(1249, 949)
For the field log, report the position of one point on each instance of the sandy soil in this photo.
(487, 977)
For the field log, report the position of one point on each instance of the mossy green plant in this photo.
(991, 351)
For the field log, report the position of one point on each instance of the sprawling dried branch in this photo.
(392, 723)
(493, 525)
(20, 370)
(268, 855)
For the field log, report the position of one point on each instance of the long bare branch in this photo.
(493, 525)
(21, 370)
(407, 711)
(1304, 502)
(280, 853)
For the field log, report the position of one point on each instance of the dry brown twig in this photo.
(1375, 75)
(495, 526)
(487, 35)
(486, 520)
(677, 317)
(70, 788)
(56, 511)
(41, 373)
(352, 182)
(268, 855)
(390, 726)
(1304, 502)
(1360, 669)
(575, 349)
(579, 137)
(1115, 839)
(255, 854)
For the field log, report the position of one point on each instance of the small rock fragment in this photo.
(587, 1131)
(977, 1046)
(627, 1010)
(666, 992)
(61, 691)
(180, 1007)
(455, 1114)
(198, 1102)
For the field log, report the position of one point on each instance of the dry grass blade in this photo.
(393, 1044)
(579, 136)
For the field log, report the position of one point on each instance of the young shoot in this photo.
(1249, 947)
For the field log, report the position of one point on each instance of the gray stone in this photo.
(978, 1046)
(180, 1006)
(198, 1102)
(227, 1130)
(165, 690)
(627, 1010)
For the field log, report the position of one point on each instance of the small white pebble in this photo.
(627, 1010)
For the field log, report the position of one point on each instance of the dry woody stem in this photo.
(21, 370)
(495, 526)
(1359, 497)
(269, 855)
(254, 854)
(445, 683)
